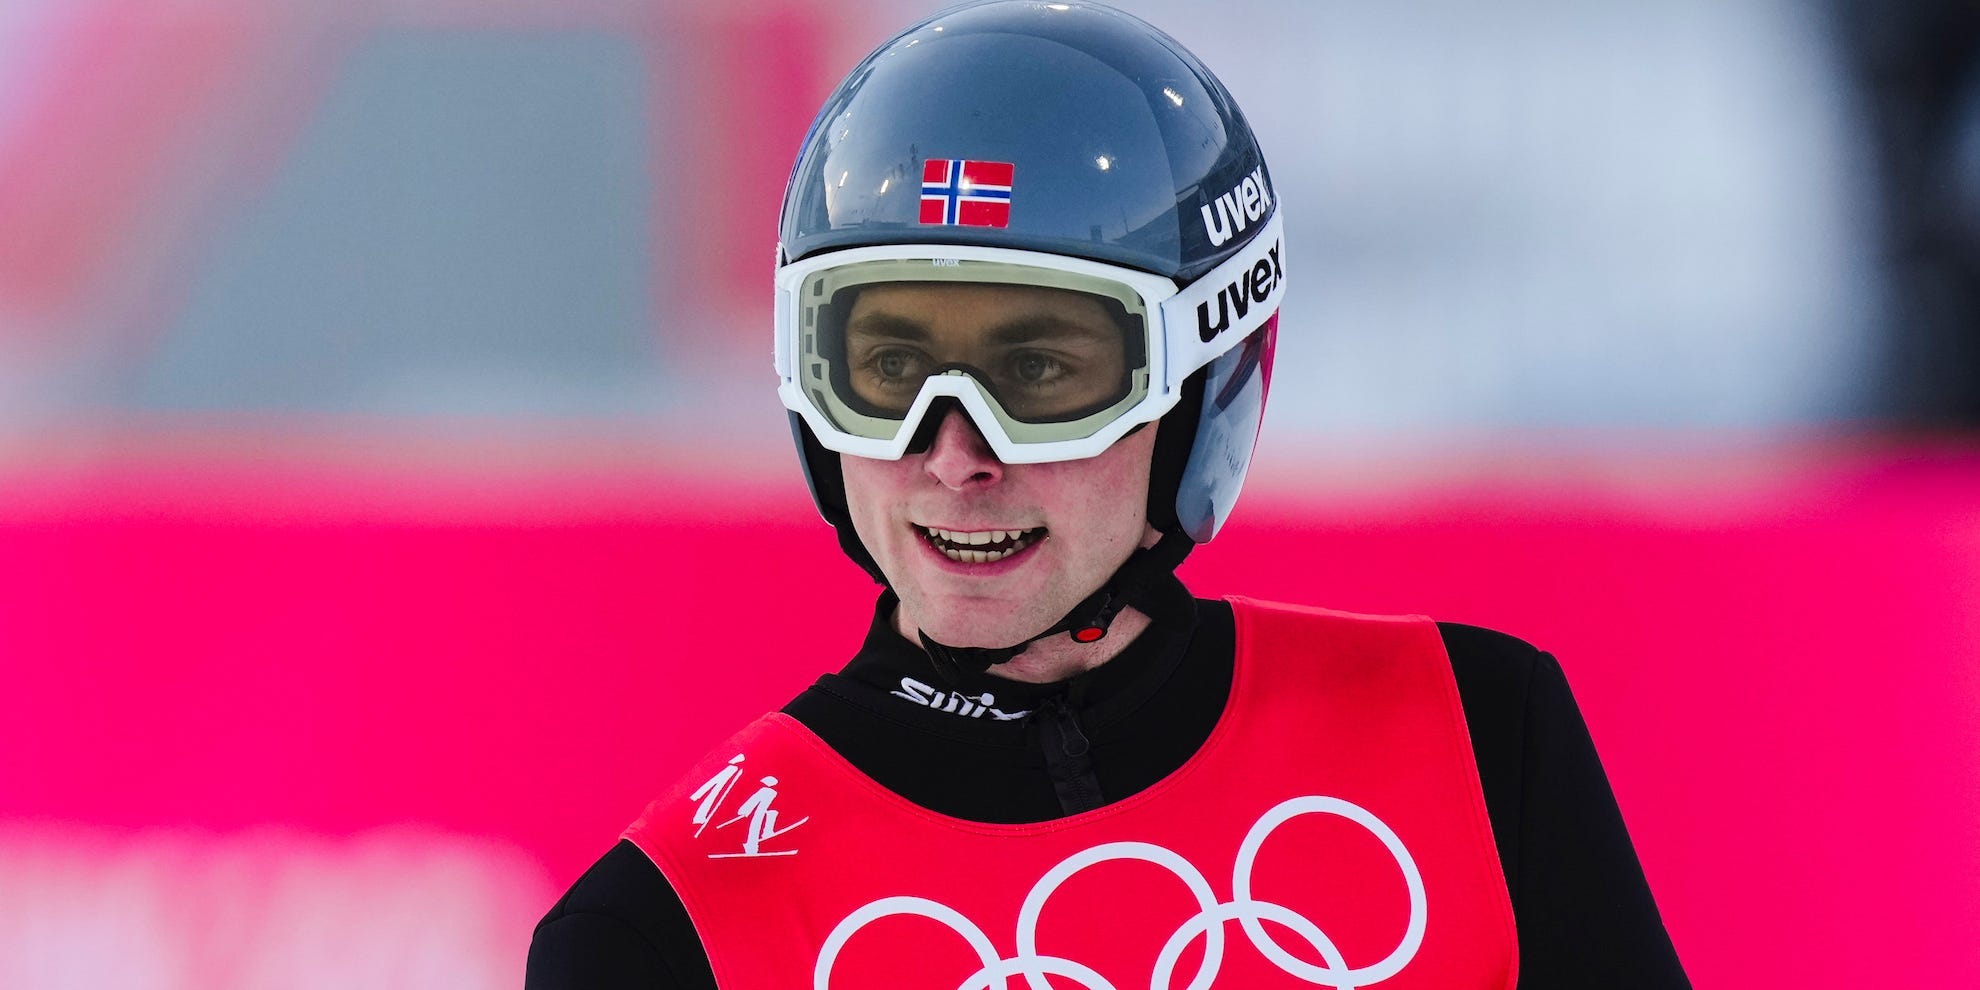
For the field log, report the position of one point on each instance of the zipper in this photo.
(1068, 759)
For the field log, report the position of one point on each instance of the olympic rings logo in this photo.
(1208, 923)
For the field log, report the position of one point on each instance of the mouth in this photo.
(980, 546)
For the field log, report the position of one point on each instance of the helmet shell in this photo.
(1121, 142)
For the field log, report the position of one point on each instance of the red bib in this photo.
(1330, 832)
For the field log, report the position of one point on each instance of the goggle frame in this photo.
(1180, 341)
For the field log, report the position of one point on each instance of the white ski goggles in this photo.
(1053, 358)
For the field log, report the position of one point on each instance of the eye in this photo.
(1036, 369)
(892, 364)
(894, 368)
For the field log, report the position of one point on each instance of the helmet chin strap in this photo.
(1087, 622)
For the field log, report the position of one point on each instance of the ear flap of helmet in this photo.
(1175, 433)
(827, 481)
(1233, 404)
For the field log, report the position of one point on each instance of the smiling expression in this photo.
(984, 553)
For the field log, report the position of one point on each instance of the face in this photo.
(984, 553)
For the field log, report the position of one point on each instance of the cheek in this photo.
(1115, 489)
(867, 486)
(1131, 461)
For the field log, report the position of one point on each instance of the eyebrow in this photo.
(1021, 330)
(1025, 329)
(888, 325)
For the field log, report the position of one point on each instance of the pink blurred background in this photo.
(393, 494)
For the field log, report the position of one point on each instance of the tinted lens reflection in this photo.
(1045, 354)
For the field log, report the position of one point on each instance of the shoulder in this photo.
(1586, 916)
(619, 883)
(620, 924)
(1513, 693)
(618, 898)
(1490, 666)
(1498, 678)
(1495, 668)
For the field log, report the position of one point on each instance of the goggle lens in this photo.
(1055, 355)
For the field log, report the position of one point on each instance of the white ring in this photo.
(1148, 852)
(1207, 922)
(821, 975)
(1241, 889)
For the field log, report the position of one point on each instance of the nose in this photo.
(959, 457)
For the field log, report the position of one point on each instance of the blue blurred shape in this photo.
(463, 228)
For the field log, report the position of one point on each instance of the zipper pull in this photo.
(1068, 758)
(1071, 738)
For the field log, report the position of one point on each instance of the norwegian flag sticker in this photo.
(960, 192)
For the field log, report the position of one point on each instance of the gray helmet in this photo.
(1105, 140)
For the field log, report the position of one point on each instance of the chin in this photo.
(980, 623)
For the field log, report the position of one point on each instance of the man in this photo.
(1028, 287)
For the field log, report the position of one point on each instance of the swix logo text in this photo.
(1227, 215)
(1255, 285)
(954, 702)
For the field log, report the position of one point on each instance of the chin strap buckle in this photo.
(1094, 628)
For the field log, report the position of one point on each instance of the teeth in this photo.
(976, 556)
(952, 544)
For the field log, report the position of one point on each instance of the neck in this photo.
(1054, 658)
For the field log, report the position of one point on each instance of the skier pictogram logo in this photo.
(762, 818)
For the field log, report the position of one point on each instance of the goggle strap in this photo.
(1227, 303)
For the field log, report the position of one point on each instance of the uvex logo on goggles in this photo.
(1254, 285)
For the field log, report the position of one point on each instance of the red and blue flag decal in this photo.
(961, 192)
